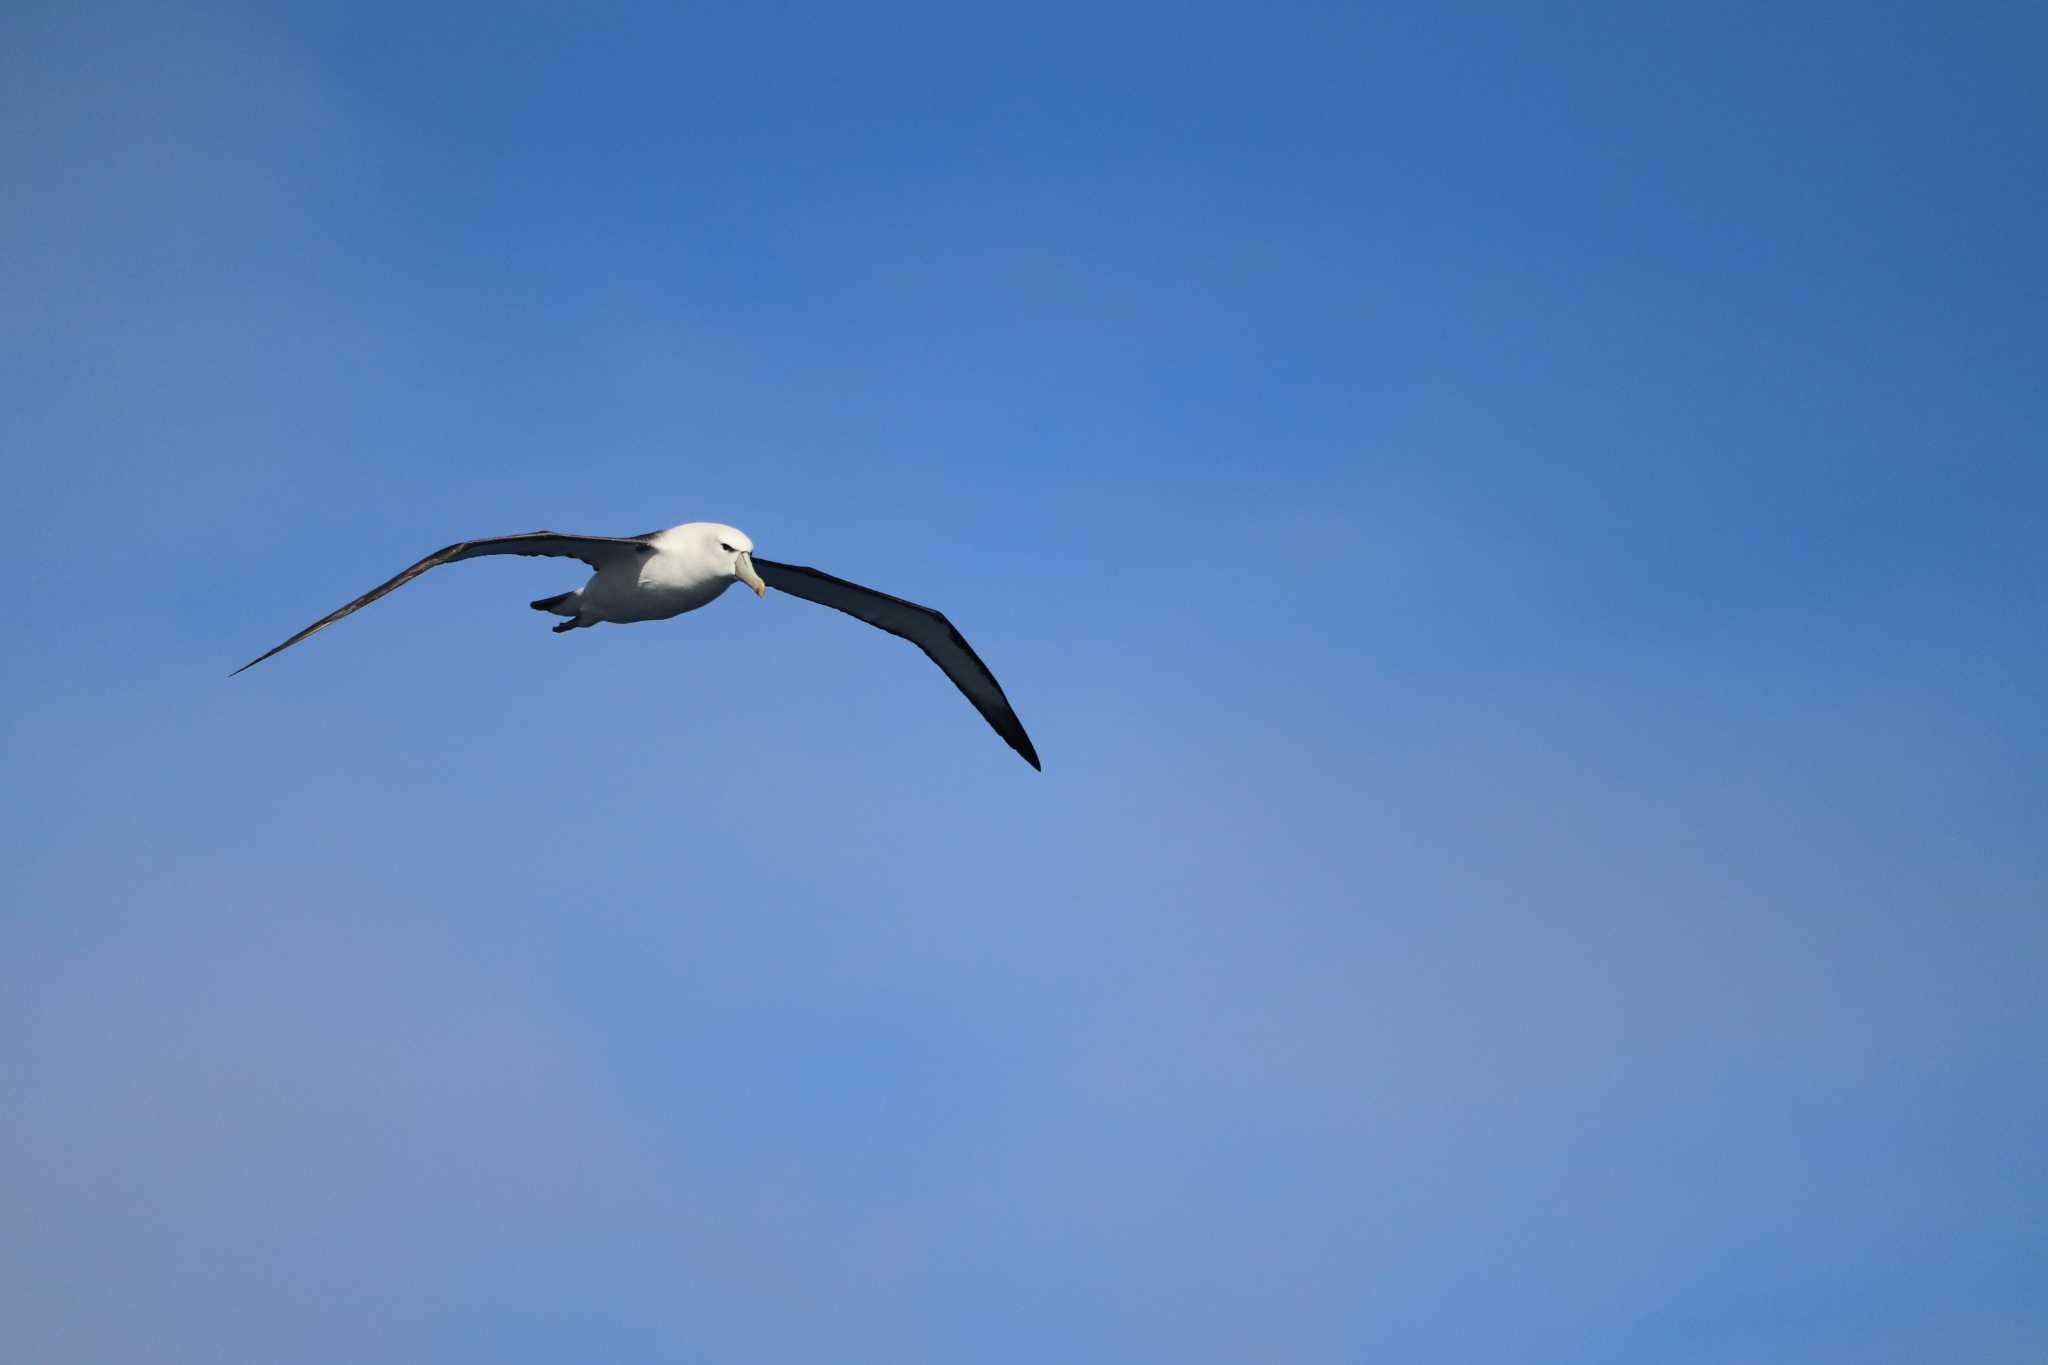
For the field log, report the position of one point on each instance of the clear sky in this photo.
(1517, 530)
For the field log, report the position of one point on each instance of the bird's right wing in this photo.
(929, 630)
(596, 551)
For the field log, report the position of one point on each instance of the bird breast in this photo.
(659, 586)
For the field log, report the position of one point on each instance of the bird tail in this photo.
(559, 604)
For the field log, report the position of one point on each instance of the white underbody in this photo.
(680, 575)
(653, 590)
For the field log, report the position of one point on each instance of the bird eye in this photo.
(723, 546)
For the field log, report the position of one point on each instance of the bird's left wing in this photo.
(596, 551)
(929, 630)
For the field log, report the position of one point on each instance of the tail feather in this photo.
(554, 604)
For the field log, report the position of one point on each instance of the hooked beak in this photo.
(744, 570)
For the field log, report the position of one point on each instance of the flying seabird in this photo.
(666, 573)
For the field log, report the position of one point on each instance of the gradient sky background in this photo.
(1518, 532)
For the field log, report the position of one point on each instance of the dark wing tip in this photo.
(1013, 732)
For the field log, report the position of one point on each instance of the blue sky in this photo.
(1517, 532)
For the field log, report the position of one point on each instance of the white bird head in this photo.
(726, 550)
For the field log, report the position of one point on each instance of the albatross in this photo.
(666, 573)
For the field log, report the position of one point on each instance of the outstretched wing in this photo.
(596, 551)
(929, 630)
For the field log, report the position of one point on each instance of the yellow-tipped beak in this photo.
(744, 568)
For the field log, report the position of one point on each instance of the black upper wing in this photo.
(929, 630)
(596, 551)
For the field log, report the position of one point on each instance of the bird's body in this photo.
(666, 573)
(682, 569)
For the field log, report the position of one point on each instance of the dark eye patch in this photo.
(723, 546)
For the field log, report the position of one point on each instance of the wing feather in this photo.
(929, 630)
(596, 551)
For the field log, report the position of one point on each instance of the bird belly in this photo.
(632, 593)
